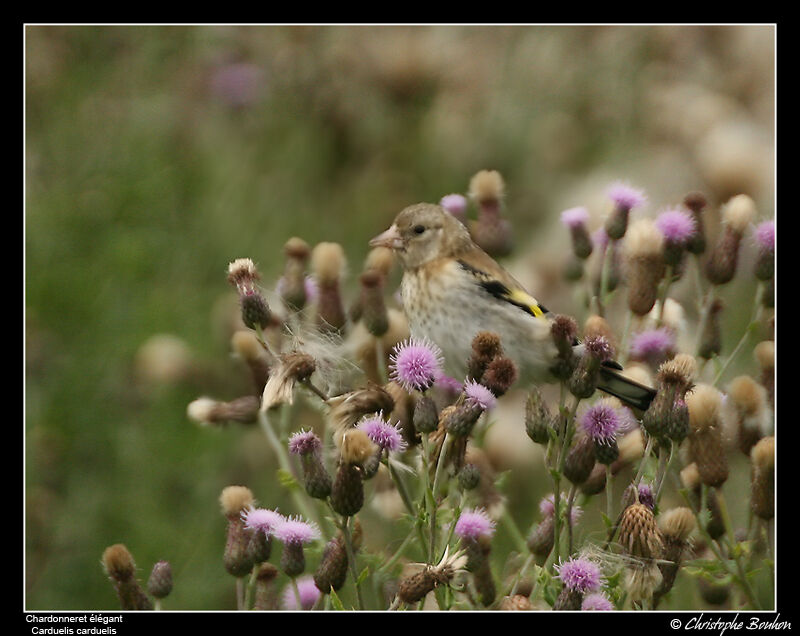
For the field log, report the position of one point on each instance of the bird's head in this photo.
(422, 233)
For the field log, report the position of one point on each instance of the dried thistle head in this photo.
(295, 366)
(487, 187)
(356, 447)
(235, 499)
(118, 562)
(639, 533)
(677, 523)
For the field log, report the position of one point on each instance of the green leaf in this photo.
(362, 577)
(609, 523)
(336, 601)
(287, 480)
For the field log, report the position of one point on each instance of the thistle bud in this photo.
(308, 447)
(293, 284)
(485, 348)
(459, 419)
(706, 448)
(736, 216)
(237, 557)
(328, 264)
(676, 526)
(564, 331)
(469, 477)
(596, 481)
(696, 202)
(500, 375)
(426, 417)
(294, 534)
(265, 594)
(121, 570)
(210, 412)
(542, 538)
(753, 416)
(373, 307)
(764, 353)
(624, 199)
(475, 529)
(244, 276)
(347, 494)
(331, 572)
(415, 587)
(580, 460)
(644, 246)
(160, 582)
(490, 231)
(583, 381)
(765, 241)
(762, 459)
(677, 227)
(575, 220)
(667, 415)
(538, 419)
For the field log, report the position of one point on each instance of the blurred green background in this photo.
(157, 154)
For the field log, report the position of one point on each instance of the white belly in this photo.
(446, 319)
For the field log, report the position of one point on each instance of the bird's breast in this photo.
(449, 308)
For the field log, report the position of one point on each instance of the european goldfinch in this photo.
(452, 289)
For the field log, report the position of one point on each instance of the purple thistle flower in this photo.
(624, 196)
(647, 496)
(262, 519)
(473, 524)
(304, 442)
(479, 395)
(575, 217)
(653, 345)
(596, 601)
(580, 575)
(598, 347)
(547, 507)
(601, 422)
(677, 226)
(455, 204)
(416, 363)
(294, 531)
(765, 236)
(383, 434)
(307, 592)
(448, 384)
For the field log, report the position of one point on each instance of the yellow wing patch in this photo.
(519, 297)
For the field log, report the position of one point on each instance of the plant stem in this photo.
(751, 327)
(351, 558)
(283, 461)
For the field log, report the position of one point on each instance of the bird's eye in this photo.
(418, 229)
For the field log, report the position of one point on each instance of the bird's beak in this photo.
(390, 238)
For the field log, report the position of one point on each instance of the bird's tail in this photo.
(635, 395)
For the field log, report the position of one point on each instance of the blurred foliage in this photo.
(157, 154)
